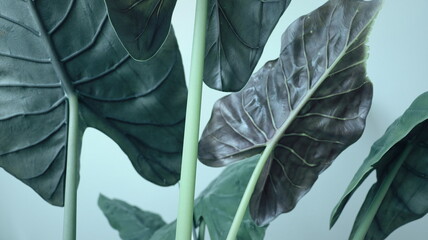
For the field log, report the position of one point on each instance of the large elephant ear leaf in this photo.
(142, 26)
(237, 32)
(404, 146)
(42, 61)
(217, 204)
(306, 107)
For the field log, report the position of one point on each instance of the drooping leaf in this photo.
(407, 198)
(131, 222)
(218, 203)
(141, 25)
(237, 32)
(49, 48)
(309, 105)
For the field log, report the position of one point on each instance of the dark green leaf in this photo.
(131, 222)
(308, 105)
(218, 203)
(237, 32)
(407, 198)
(141, 25)
(53, 47)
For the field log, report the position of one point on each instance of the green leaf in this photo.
(141, 25)
(237, 32)
(406, 199)
(307, 106)
(218, 203)
(52, 49)
(131, 222)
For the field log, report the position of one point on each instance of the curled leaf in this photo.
(237, 32)
(139, 105)
(307, 106)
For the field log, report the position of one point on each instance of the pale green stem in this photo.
(201, 235)
(243, 205)
(191, 132)
(70, 202)
(361, 232)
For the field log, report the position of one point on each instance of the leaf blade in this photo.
(43, 58)
(405, 199)
(237, 32)
(142, 26)
(131, 222)
(397, 131)
(293, 103)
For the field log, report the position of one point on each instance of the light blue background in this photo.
(397, 65)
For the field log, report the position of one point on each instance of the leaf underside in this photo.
(237, 32)
(311, 103)
(217, 204)
(406, 199)
(141, 25)
(139, 105)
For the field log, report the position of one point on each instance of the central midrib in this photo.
(57, 65)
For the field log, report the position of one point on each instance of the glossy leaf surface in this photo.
(237, 32)
(407, 197)
(141, 25)
(218, 203)
(131, 222)
(310, 103)
(53, 47)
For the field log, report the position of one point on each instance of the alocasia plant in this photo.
(61, 55)
(400, 158)
(301, 109)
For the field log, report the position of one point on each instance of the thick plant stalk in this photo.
(71, 181)
(191, 132)
(361, 232)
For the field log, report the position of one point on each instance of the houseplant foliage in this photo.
(301, 109)
(237, 32)
(132, 222)
(44, 63)
(142, 26)
(214, 208)
(400, 159)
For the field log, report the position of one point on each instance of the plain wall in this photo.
(397, 66)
